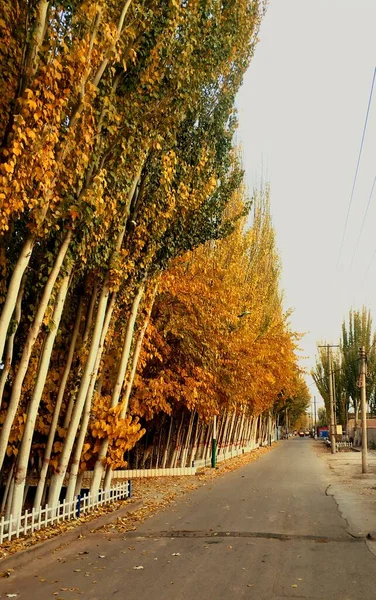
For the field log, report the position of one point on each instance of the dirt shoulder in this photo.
(354, 492)
(149, 496)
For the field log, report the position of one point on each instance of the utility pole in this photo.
(363, 372)
(314, 404)
(331, 402)
(287, 423)
(334, 403)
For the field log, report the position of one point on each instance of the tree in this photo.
(358, 333)
(115, 158)
(322, 418)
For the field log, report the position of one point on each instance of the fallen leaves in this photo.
(156, 493)
(7, 573)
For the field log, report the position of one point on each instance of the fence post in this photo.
(10, 527)
(25, 521)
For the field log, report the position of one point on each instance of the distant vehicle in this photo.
(301, 433)
(306, 433)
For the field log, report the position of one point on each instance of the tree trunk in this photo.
(35, 43)
(10, 342)
(87, 407)
(7, 488)
(231, 432)
(58, 477)
(241, 431)
(201, 442)
(101, 69)
(32, 413)
(55, 418)
(187, 440)
(28, 347)
(195, 442)
(222, 434)
(166, 452)
(13, 290)
(176, 452)
(136, 356)
(159, 444)
(99, 467)
(89, 315)
(208, 447)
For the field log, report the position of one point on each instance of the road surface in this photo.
(265, 531)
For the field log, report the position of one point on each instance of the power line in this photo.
(364, 220)
(370, 262)
(357, 167)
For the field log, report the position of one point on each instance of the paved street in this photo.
(265, 531)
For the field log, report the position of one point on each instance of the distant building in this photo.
(355, 435)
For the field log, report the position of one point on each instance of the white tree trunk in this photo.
(55, 418)
(44, 363)
(165, 454)
(177, 448)
(187, 441)
(75, 465)
(28, 347)
(99, 466)
(58, 478)
(195, 440)
(13, 289)
(230, 433)
(10, 342)
(201, 442)
(208, 447)
(89, 316)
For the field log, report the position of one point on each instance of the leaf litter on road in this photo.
(156, 494)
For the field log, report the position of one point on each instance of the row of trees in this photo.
(219, 341)
(116, 161)
(357, 331)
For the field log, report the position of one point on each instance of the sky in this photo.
(302, 109)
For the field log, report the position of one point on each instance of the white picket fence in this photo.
(224, 454)
(34, 520)
(139, 473)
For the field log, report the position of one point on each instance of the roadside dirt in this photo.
(353, 491)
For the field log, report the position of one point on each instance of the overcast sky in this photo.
(302, 109)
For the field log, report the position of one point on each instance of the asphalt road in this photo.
(265, 531)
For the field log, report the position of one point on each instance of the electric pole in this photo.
(363, 371)
(331, 404)
(314, 404)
